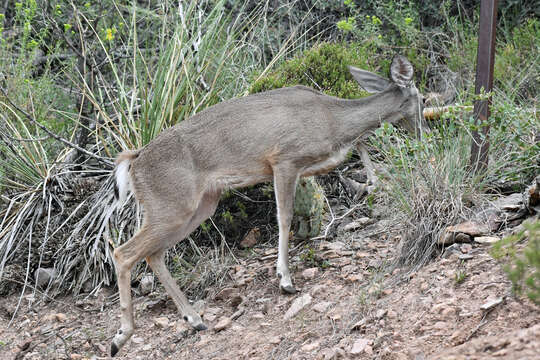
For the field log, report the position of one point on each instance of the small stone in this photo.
(318, 289)
(334, 316)
(359, 346)
(274, 340)
(486, 239)
(465, 257)
(147, 347)
(322, 306)
(226, 294)
(380, 313)
(222, 324)
(329, 354)
(297, 305)
(74, 356)
(43, 276)
(440, 325)
(60, 317)
(161, 322)
(236, 300)
(310, 273)
(146, 284)
(359, 223)
(359, 325)
(258, 315)
(137, 340)
(209, 317)
(491, 304)
(251, 239)
(310, 347)
(465, 248)
(336, 245)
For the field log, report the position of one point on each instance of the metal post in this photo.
(484, 80)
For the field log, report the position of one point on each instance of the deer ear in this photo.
(401, 71)
(371, 82)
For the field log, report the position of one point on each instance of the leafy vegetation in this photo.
(522, 261)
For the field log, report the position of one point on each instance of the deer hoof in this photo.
(114, 349)
(200, 327)
(288, 289)
(196, 322)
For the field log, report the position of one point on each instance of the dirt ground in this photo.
(460, 306)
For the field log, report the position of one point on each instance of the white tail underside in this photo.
(122, 180)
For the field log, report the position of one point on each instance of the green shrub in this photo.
(523, 265)
(323, 67)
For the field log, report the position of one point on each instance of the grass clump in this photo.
(522, 263)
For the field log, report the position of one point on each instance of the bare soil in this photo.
(356, 308)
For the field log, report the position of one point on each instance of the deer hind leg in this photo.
(125, 257)
(207, 207)
(285, 177)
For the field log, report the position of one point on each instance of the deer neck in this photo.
(359, 116)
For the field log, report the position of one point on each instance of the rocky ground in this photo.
(350, 304)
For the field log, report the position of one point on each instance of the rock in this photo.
(392, 315)
(360, 325)
(466, 248)
(236, 300)
(238, 313)
(275, 340)
(310, 273)
(137, 340)
(532, 196)
(251, 239)
(380, 313)
(43, 276)
(74, 356)
(146, 284)
(60, 317)
(465, 257)
(222, 324)
(310, 347)
(462, 232)
(297, 305)
(451, 250)
(491, 304)
(322, 306)
(486, 239)
(512, 202)
(359, 346)
(226, 294)
(318, 289)
(161, 322)
(469, 228)
(357, 224)
(336, 245)
(147, 347)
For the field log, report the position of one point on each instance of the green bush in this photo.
(323, 67)
(523, 265)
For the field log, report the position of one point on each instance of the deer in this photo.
(278, 135)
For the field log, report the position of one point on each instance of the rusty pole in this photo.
(484, 80)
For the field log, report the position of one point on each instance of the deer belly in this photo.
(324, 166)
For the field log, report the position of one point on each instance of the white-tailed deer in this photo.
(277, 135)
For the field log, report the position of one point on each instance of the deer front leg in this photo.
(284, 187)
(370, 169)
